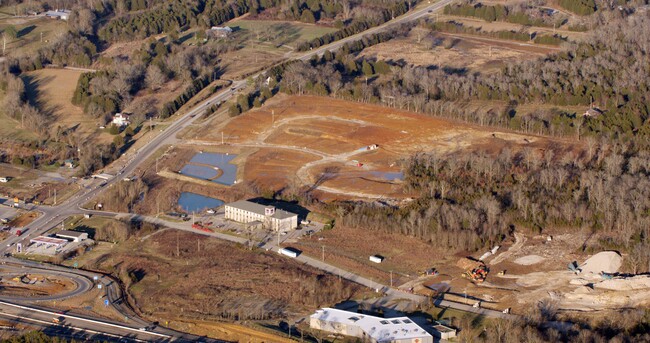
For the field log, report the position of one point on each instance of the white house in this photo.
(369, 328)
(121, 119)
(248, 212)
(5, 179)
(219, 31)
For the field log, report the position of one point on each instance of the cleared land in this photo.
(455, 51)
(178, 276)
(325, 141)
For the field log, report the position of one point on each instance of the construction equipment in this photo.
(475, 271)
(201, 226)
(429, 272)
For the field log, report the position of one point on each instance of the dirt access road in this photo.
(335, 135)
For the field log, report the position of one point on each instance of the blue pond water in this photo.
(192, 202)
(214, 159)
(390, 176)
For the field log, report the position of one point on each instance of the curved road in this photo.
(53, 215)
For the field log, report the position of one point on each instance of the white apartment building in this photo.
(249, 212)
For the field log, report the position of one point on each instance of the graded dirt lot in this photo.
(16, 284)
(328, 143)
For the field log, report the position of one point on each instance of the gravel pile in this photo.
(606, 261)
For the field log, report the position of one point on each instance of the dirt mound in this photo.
(528, 260)
(606, 261)
(625, 284)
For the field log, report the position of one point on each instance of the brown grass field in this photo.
(181, 277)
(472, 52)
(55, 88)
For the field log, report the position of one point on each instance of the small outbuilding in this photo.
(377, 258)
(219, 32)
(75, 236)
(58, 14)
(443, 331)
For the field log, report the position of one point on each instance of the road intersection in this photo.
(53, 215)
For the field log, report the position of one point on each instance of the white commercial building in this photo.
(75, 236)
(249, 212)
(49, 241)
(369, 328)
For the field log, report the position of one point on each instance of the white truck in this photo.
(291, 252)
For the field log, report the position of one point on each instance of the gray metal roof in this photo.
(259, 209)
(69, 233)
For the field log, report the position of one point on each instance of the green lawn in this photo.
(280, 32)
(30, 30)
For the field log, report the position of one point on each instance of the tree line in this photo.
(605, 70)
(359, 24)
(455, 27)
(517, 14)
(176, 15)
(582, 7)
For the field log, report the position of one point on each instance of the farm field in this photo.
(281, 32)
(327, 144)
(455, 51)
(501, 26)
(52, 89)
(30, 31)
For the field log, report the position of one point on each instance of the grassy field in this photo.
(10, 128)
(280, 32)
(30, 31)
(462, 52)
(52, 90)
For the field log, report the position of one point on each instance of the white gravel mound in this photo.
(627, 284)
(605, 261)
(528, 260)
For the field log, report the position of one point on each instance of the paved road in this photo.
(51, 216)
(409, 16)
(82, 283)
(388, 292)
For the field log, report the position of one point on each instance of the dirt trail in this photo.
(520, 240)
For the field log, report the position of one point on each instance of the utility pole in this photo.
(55, 196)
(272, 117)
(178, 245)
(391, 279)
(221, 137)
(41, 37)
